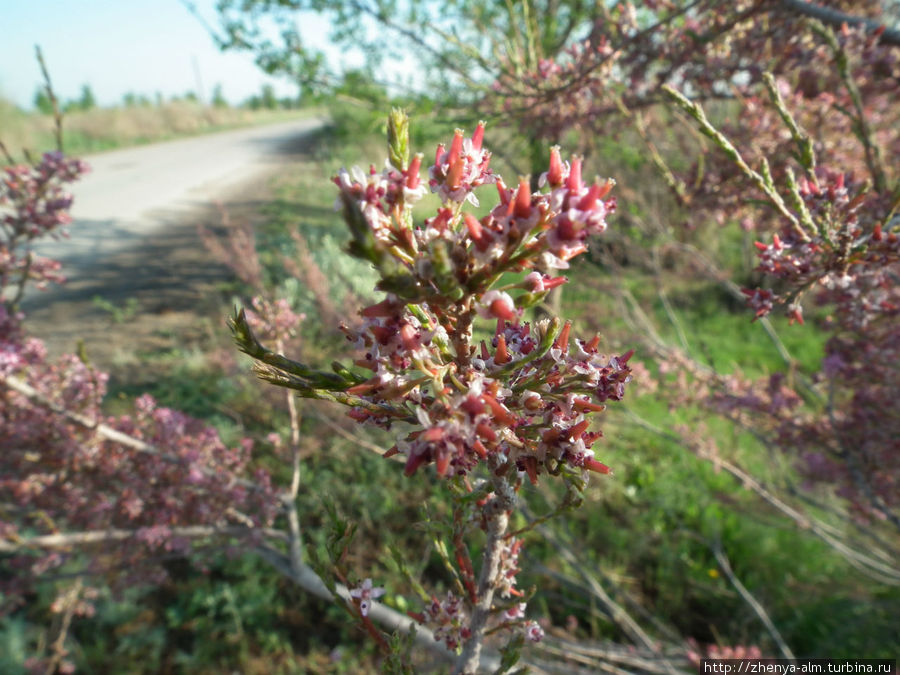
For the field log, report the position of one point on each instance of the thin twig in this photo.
(748, 597)
(836, 18)
(58, 646)
(762, 181)
(70, 539)
(48, 85)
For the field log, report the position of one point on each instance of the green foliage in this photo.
(42, 102)
(13, 644)
(218, 97)
(118, 314)
(86, 101)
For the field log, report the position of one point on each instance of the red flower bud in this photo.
(478, 136)
(575, 184)
(500, 308)
(486, 432)
(530, 466)
(554, 174)
(442, 462)
(522, 207)
(502, 191)
(478, 447)
(474, 227)
(583, 404)
(412, 173)
(472, 405)
(432, 434)
(562, 342)
(454, 172)
(501, 414)
(593, 465)
(502, 356)
(576, 431)
(414, 461)
(455, 147)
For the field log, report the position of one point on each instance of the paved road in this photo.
(137, 192)
(134, 236)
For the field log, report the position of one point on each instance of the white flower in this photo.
(365, 594)
(534, 632)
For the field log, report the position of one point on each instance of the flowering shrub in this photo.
(799, 161)
(97, 494)
(33, 204)
(517, 403)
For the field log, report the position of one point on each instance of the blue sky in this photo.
(119, 46)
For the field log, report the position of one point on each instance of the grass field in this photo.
(100, 129)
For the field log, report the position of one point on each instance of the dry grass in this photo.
(105, 128)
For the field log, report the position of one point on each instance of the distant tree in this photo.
(218, 97)
(190, 96)
(268, 99)
(42, 101)
(87, 100)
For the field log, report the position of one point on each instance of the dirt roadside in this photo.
(165, 292)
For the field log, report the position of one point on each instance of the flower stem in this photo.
(496, 513)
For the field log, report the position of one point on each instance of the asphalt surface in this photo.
(134, 193)
(134, 238)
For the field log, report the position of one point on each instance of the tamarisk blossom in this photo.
(516, 405)
(449, 619)
(365, 593)
(468, 403)
(465, 166)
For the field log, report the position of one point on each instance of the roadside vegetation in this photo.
(712, 537)
(643, 532)
(137, 120)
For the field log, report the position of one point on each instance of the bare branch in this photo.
(835, 18)
(66, 540)
(748, 597)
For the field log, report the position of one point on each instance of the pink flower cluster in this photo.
(458, 171)
(525, 398)
(526, 405)
(273, 319)
(449, 619)
(67, 468)
(60, 476)
(848, 258)
(33, 204)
